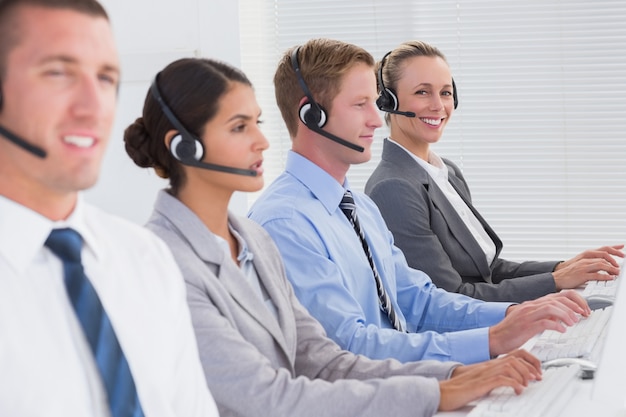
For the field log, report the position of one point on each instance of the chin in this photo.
(254, 186)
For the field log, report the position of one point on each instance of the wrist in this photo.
(557, 266)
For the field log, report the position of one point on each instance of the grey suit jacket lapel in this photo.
(204, 244)
(283, 332)
(457, 185)
(459, 230)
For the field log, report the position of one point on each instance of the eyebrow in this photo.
(71, 60)
(430, 85)
(241, 116)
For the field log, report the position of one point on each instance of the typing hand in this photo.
(597, 264)
(470, 382)
(523, 321)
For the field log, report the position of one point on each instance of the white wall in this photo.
(150, 34)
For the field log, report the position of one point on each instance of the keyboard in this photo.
(578, 340)
(604, 288)
(547, 397)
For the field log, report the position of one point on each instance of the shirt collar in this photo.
(321, 184)
(23, 232)
(244, 253)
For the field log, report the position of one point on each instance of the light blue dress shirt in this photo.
(331, 276)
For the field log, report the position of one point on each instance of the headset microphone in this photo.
(402, 113)
(29, 147)
(314, 127)
(186, 147)
(311, 113)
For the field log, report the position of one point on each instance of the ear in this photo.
(167, 139)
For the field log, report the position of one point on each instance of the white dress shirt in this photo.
(46, 365)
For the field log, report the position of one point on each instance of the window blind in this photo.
(539, 132)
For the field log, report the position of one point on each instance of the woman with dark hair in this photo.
(262, 353)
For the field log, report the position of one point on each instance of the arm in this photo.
(244, 380)
(416, 224)
(329, 288)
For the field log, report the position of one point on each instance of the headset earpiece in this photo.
(387, 100)
(312, 115)
(186, 149)
(454, 95)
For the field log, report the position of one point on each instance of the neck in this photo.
(49, 203)
(416, 147)
(211, 207)
(322, 157)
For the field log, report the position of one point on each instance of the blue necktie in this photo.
(112, 364)
(349, 209)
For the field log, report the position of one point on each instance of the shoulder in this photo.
(284, 199)
(120, 232)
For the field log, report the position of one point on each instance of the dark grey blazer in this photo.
(435, 240)
(256, 365)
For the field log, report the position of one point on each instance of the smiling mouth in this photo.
(79, 141)
(432, 122)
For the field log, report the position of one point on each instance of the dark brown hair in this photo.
(192, 89)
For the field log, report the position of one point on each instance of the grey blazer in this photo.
(256, 365)
(435, 240)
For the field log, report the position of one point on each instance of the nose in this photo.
(90, 97)
(436, 103)
(375, 120)
(261, 142)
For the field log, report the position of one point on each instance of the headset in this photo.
(311, 113)
(22, 143)
(387, 100)
(185, 147)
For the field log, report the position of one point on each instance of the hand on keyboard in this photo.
(594, 264)
(470, 382)
(544, 398)
(578, 341)
(523, 321)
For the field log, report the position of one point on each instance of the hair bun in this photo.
(138, 143)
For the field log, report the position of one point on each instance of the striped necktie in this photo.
(349, 209)
(110, 359)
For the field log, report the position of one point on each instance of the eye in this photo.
(108, 79)
(421, 92)
(446, 93)
(240, 127)
(55, 72)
